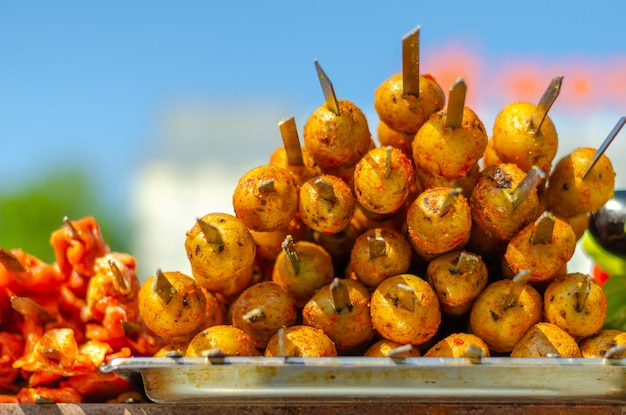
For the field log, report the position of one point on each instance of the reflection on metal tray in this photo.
(350, 379)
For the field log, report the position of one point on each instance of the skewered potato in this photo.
(221, 340)
(221, 251)
(546, 340)
(389, 348)
(459, 345)
(570, 194)
(379, 253)
(341, 310)
(326, 204)
(266, 198)
(405, 309)
(466, 183)
(575, 303)
(603, 342)
(172, 304)
(262, 309)
(300, 341)
(438, 221)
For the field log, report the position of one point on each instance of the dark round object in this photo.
(607, 224)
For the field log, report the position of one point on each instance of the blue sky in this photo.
(85, 81)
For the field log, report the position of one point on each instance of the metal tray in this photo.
(358, 379)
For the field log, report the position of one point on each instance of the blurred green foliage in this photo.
(29, 214)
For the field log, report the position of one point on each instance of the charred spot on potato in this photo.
(494, 315)
(186, 300)
(501, 179)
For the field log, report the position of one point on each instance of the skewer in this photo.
(291, 141)
(473, 351)
(582, 294)
(377, 245)
(10, 261)
(281, 342)
(544, 228)
(406, 297)
(324, 189)
(119, 277)
(254, 315)
(267, 186)
(210, 232)
(615, 351)
(456, 103)
(405, 348)
(289, 248)
(31, 310)
(519, 282)
(341, 296)
(605, 144)
(544, 105)
(449, 201)
(530, 181)
(163, 287)
(328, 90)
(71, 227)
(466, 263)
(411, 63)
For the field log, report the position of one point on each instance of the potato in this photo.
(546, 340)
(386, 348)
(601, 343)
(223, 339)
(459, 345)
(301, 341)
(326, 204)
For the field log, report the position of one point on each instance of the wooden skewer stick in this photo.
(10, 261)
(605, 144)
(31, 310)
(544, 105)
(377, 245)
(324, 189)
(291, 141)
(119, 277)
(544, 228)
(328, 90)
(282, 350)
(405, 348)
(289, 248)
(211, 233)
(163, 287)
(213, 352)
(341, 296)
(406, 297)
(267, 186)
(456, 103)
(466, 263)
(449, 201)
(411, 63)
(473, 351)
(583, 293)
(71, 227)
(530, 181)
(254, 315)
(519, 282)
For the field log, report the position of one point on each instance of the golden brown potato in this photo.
(268, 243)
(311, 269)
(575, 303)
(326, 204)
(512, 143)
(432, 228)
(221, 251)
(407, 113)
(405, 309)
(379, 253)
(222, 340)
(262, 309)
(491, 204)
(449, 152)
(387, 348)
(342, 311)
(382, 180)
(569, 195)
(544, 259)
(337, 141)
(501, 316)
(457, 283)
(546, 340)
(604, 341)
(215, 310)
(301, 341)
(172, 305)
(459, 345)
(266, 198)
